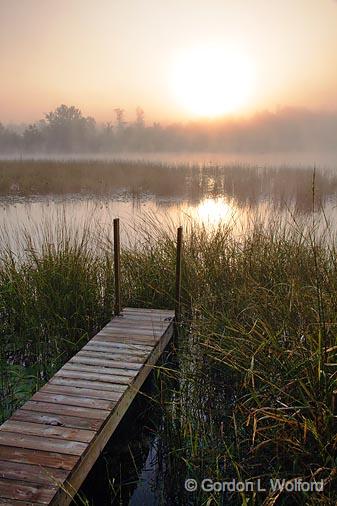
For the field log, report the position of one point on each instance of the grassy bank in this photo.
(253, 391)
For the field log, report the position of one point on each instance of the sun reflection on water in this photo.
(213, 211)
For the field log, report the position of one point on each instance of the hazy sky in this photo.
(175, 58)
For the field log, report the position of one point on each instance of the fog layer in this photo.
(67, 130)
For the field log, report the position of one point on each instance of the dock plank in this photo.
(103, 362)
(23, 491)
(39, 429)
(149, 340)
(56, 420)
(69, 400)
(82, 392)
(101, 349)
(119, 347)
(100, 377)
(28, 472)
(100, 369)
(88, 383)
(63, 409)
(38, 457)
(19, 440)
(130, 332)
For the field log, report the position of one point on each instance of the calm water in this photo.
(207, 190)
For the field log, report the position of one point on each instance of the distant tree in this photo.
(32, 138)
(107, 137)
(10, 142)
(69, 131)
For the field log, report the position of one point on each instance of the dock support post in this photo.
(178, 273)
(117, 268)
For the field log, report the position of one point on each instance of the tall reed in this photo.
(253, 391)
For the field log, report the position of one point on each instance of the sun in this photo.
(212, 82)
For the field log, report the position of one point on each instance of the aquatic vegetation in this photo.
(253, 393)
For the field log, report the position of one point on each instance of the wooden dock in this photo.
(50, 444)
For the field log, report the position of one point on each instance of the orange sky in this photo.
(101, 54)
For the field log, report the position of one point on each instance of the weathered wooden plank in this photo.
(24, 491)
(73, 366)
(146, 318)
(84, 359)
(41, 443)
(138, 320)
(112, 339)
(14, 502)
(57, 420)
(120, 347)
(104, 378)
(40, 429)
(126, 315)
(130, 332)
(91, 384)
(101, 349)
(104, 354)
(119, 354)
(33, 473)
(143, 321)
(38, 457)
(82, 392)
(151, 311)
(128, 325)
(72, 401)
(62, 409)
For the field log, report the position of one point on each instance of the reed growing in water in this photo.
(253, 393)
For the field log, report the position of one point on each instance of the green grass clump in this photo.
(256, 399)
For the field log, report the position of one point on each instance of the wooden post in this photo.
(117, 267)
(178, 272)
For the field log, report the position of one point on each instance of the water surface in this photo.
(207, 190)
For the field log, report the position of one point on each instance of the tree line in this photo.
(66, 130)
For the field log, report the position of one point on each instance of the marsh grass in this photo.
(257, 351)
(245, 183)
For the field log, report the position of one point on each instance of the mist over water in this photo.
(171, 188)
